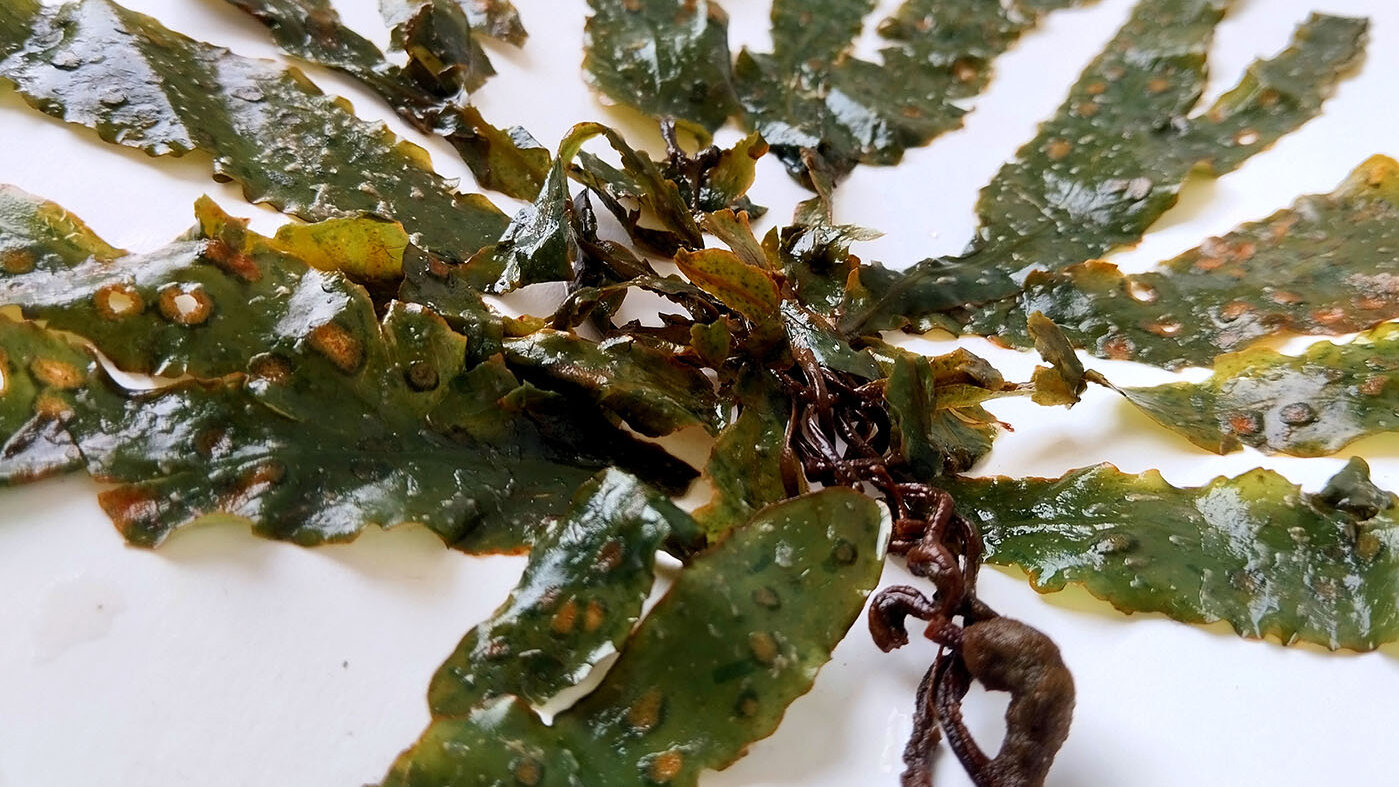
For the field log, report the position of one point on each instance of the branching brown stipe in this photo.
(839, 433)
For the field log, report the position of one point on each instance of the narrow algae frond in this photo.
(711, 669)
(1252, 550)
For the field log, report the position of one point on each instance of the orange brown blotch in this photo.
(1244, 424)
(270, 367)
(259, 477)
(232, 261)
(645, 713)
(1164, 327)
(665, 766)
(609, 557)
(1374, 385)
(116, 301)
(763, 647)
(186, 304)
(965, 70)
(565, 618)
(52, 407)
(1118, 347)
(129, 506)
(56, 374)
(1329, 316)
(594, 616)
(1234, 310)
(527, 773)
(17, 261)
(339, 346)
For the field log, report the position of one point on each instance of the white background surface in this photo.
(223, 660)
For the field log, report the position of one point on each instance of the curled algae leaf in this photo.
(508, 161)
(711, 669)
(1113, 159)
(649, 388)
(1065, 379)
(266, 127)
(578, 600)
(498, 19)
(546, 240)
(435, 35)
(1252, 550)
(1326, 265)
(1312, 404)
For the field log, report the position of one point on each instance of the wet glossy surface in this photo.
(1312, 404)
(712, 668)
(1112, 160)
(1252, 550)
(139, 84)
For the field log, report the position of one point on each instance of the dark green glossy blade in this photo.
(815, 255)
(745, 466)
(647, 386)
(510, 162)
(452, 292)
(540, 244)
(1308, 405)
(711, 669)
(809, 332)
(474, 455)
(938, 425)
(498, 19)
(811, 95)
(739, 636)
(1253, 550)
(37, 235)
(196, 450)
(666, 58)
(435, 35)
(96, 64)
(42, 372)
(221, 300)
(1113, 159)
(313, 31)
(577, 601)
(1326, 265)
(501, 742)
